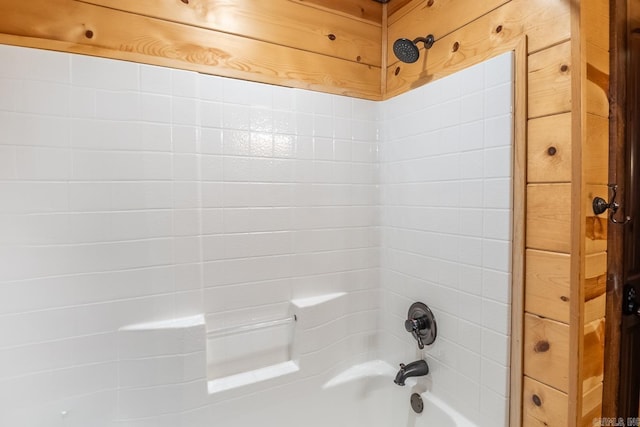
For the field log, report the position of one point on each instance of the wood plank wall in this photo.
(292, 43)
(565, 258)
(341, 47)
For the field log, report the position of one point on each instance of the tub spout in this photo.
(419, 368)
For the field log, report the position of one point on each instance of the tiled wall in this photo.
(446, 169)
(131, 193)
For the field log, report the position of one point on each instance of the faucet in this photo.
(418, 368)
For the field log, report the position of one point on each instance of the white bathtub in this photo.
(361, 396)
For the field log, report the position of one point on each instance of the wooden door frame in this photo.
(615, 236)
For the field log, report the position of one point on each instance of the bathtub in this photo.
(361, 396)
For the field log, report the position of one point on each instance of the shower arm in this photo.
(428, 41)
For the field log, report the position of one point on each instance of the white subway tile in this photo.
(496, 347)
(304, 124)
(155, 80)
(236, 92)
(495, 377)
(498, 131)
(471, 136)
(82, 103)
(469, 307)
(26, 197)
(496, 255)
(192, 194)
(43, 388)
(35, 64)
(236, 143)
(103, 73)
(261, 119)
(117, 166)
(472, 164)
(494, 408)
(496, 285)
(185, 139)
(467, 393)
(211, 141)
(470, 336)
(27, 129)
(323, 126)
(211, 87)
(469, 364)
(184, 83)
(497, 163)
(499, 71)
(117, 105)
(471, 222)
(498, 100)
(497, 224)
(229, 272)
(106, 135)
(8, 163)
(261, 144)
(496, 316)
(135, 195)
(471, 279)
(186, 167)
(61, 354)
(237, 297)
(155, 108)
(284, 146)
(38, 97)
(240, 194)
(150, 372)
(10, 90)
(471, 251)
(497, 193)
(472, 78)
(43, 164)
(210, 114)
(184, 111)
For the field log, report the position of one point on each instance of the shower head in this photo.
(407, 50)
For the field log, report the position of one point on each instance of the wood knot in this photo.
(397, 71)
(88, 34)
(542, 346)
(552, 151)
(565, 299)
(430, 3)
(185, 1)
(498, 28)
(332, 37)
(455, 47)
(536, 400)
(564, 68)
(358, 58)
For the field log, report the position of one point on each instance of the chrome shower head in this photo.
(407, 50)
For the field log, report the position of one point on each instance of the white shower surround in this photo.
(446, 177)
(135, 194)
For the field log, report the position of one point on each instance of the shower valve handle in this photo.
(414, 326)
(421, 324)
